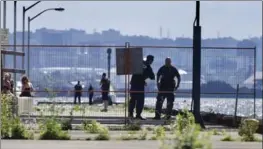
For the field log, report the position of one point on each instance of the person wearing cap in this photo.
(137, 84)
(166, 86)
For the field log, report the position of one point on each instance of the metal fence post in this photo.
(236, 103)
(255, 68)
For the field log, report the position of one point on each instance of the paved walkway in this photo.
(34, 144)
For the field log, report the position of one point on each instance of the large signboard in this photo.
(129, 61)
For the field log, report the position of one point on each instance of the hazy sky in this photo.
(237, 19)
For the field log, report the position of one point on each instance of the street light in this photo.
(23, 34)
(28, 32)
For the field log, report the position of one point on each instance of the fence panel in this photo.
(57, 68)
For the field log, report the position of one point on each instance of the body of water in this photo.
(245, 107)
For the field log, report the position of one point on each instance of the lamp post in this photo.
(109, 60)
(28, 33)
(23, 32)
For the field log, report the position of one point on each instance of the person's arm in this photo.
(31, 87)
(151, 74)
(177, 74)
(159, 73)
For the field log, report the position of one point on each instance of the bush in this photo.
(143, 135)
(103, 134)
(247, 129)
(51, 130)
(18, 130)
(93, 127)
(159, 132)
(12, 127)
(227, 138)
(133, 127)
(186, 134)
(66, 125)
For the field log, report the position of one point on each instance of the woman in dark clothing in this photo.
(27, 87)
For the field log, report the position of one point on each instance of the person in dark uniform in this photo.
(91, 93)
(137, 84)
(105, 87)
(78, 92)
(166, 74)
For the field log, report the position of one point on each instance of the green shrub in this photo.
(66, 125)
(103, 134)
(93, 127)
(18, 130)
(227, 138)
(216, 132)
(183, 121)
(11, 126)
(51, 130)
(247, 129)
(186, 134)
(143, 135)
(159, 132)
(133, 127)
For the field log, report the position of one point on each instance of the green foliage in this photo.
(143, 135)
(227, 138)
(11, 127)
(51, 130)
(103, 134)
(247, 129)
(66, 124)
(18, 130)
(133, 126)
(216, 132)
(186, 134)
(183, 121)
(159, 132)
(93, 127)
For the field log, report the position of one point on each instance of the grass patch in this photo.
(227, 138)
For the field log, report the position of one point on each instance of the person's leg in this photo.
(140, 105)
(75, 99)
(170, 103)
(79, 98)
(90, 99)
(106, 101)
(132, 103)
(159, 105)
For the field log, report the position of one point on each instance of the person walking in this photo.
(105, 87)
(166, 86)
(91, 93)
(137, 84)
(78, 92)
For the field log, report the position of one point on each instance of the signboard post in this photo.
(129, 61)
(4, 41)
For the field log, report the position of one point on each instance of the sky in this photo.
(237, 19)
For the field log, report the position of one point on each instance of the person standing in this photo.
(91, 93)
(166, 87)
(105, 87)
(137, 84)
(78, 92)
(27, 87)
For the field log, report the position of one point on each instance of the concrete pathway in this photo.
(35, 144)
